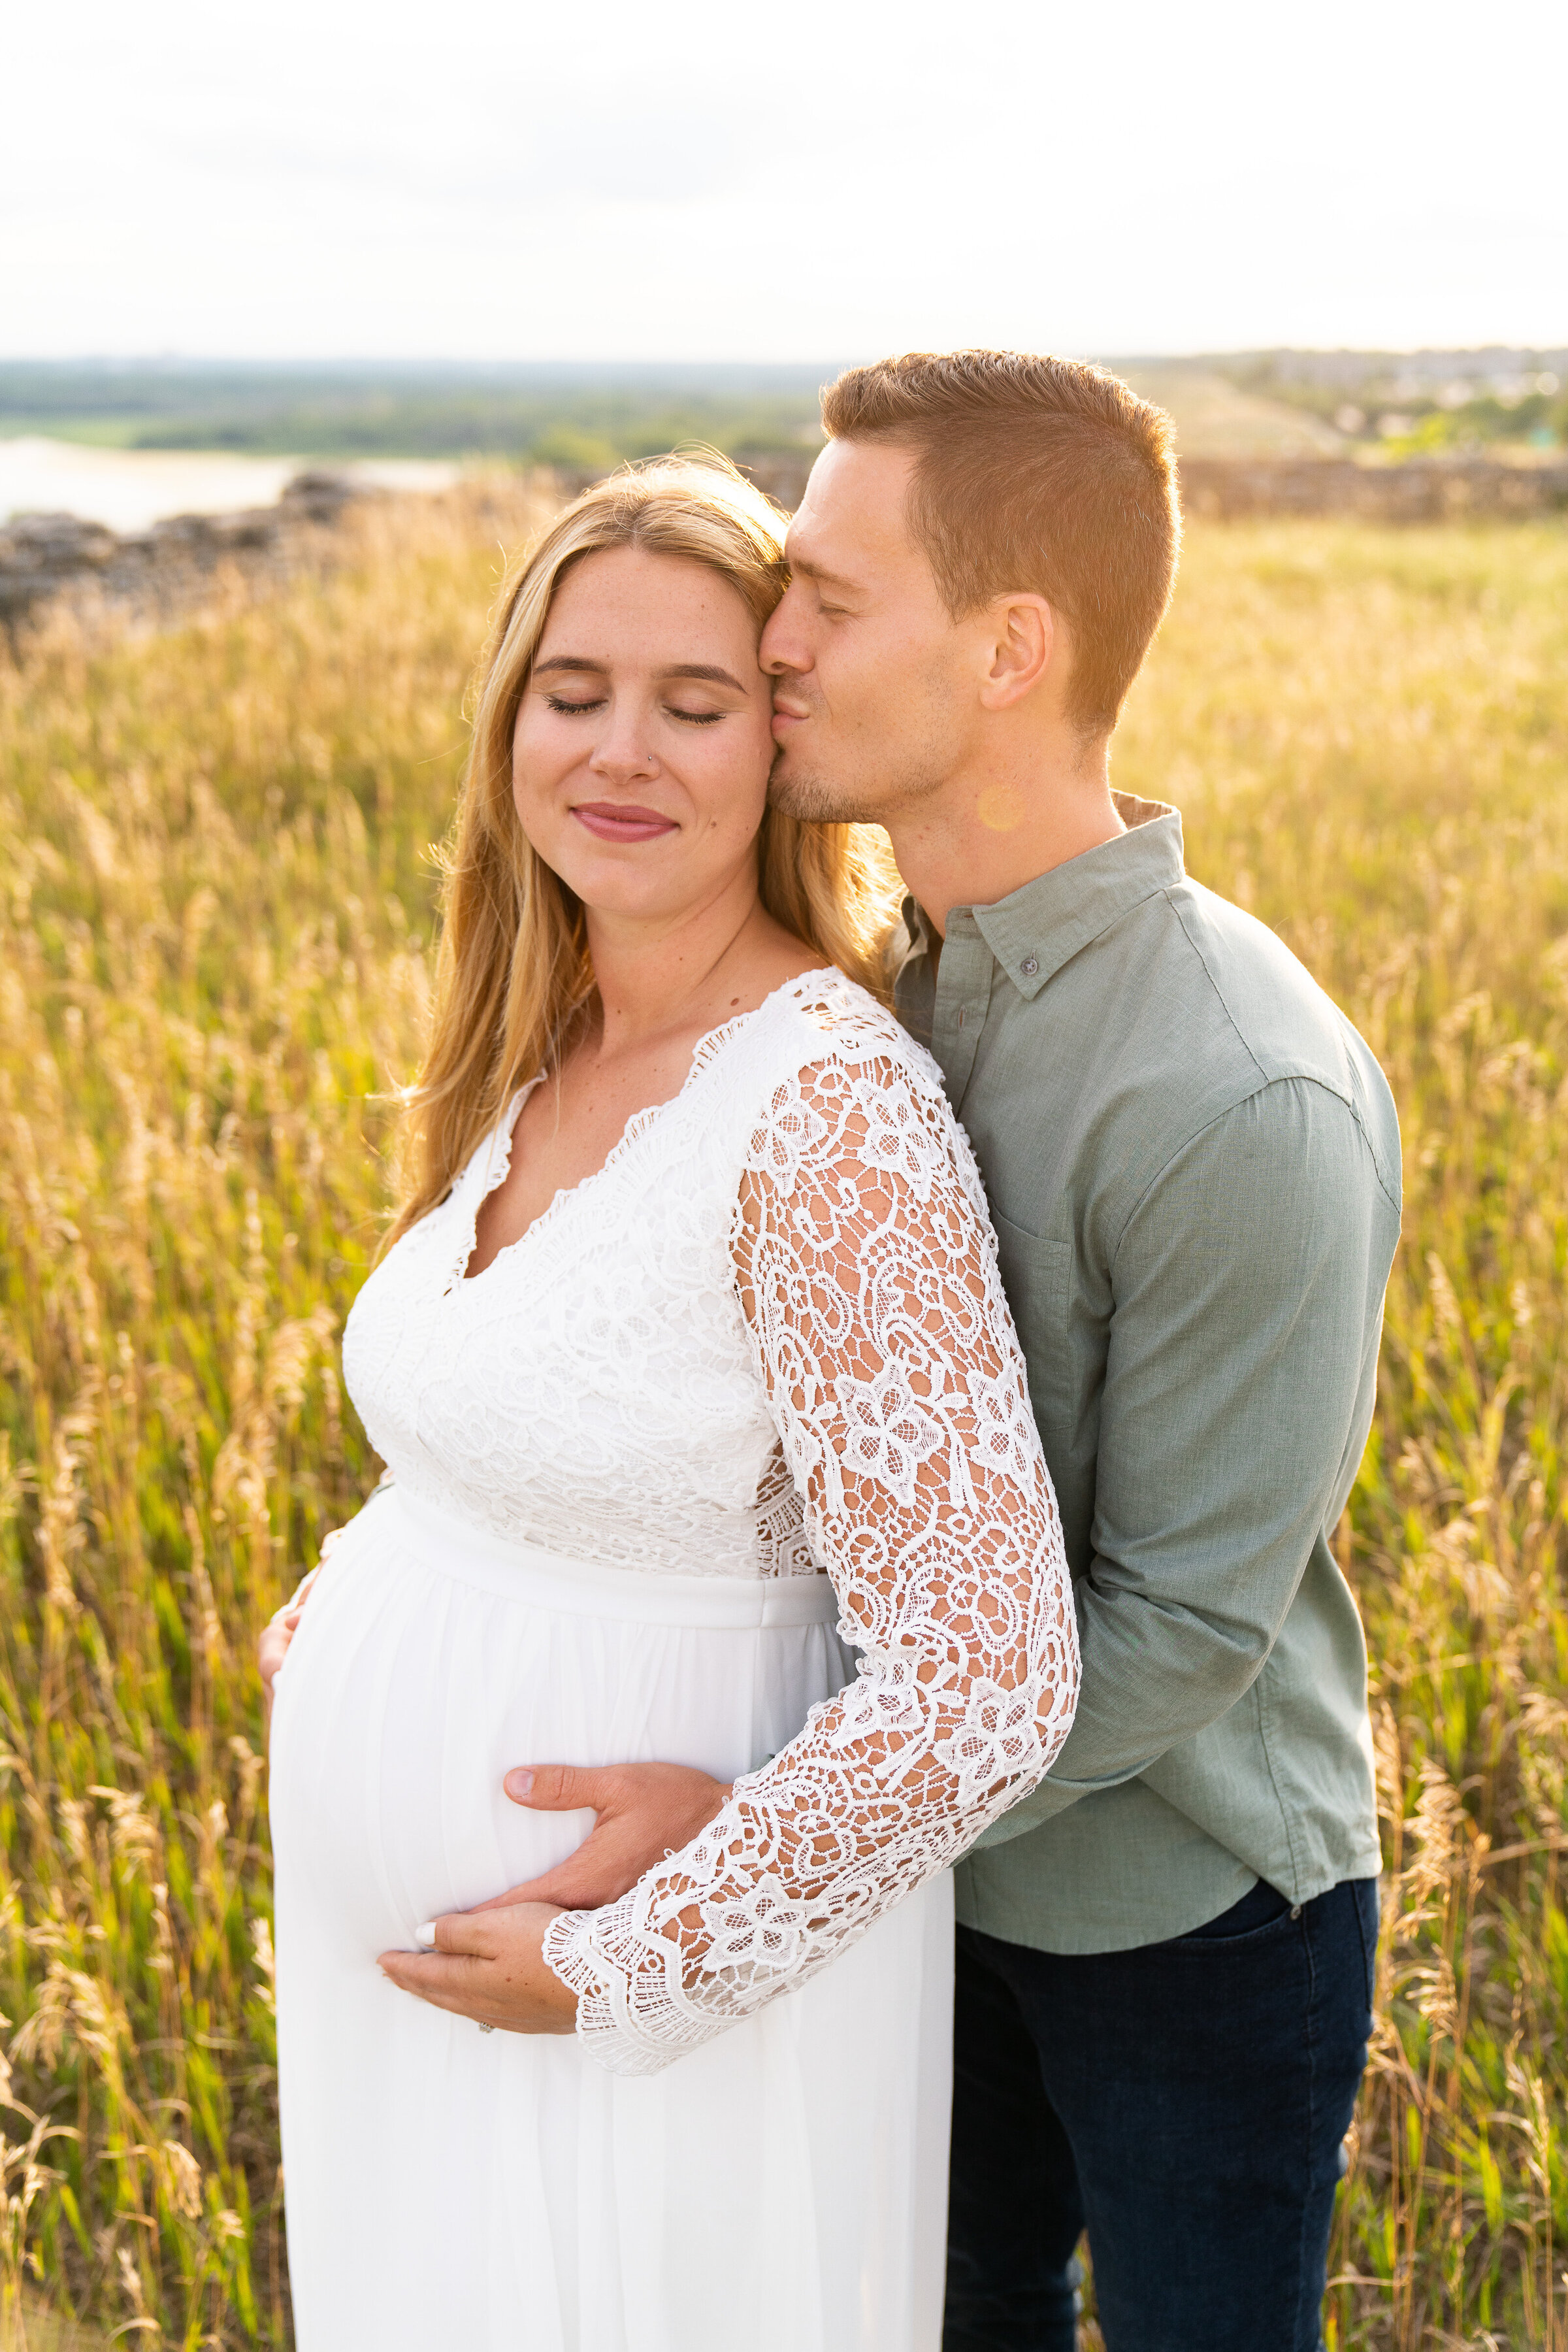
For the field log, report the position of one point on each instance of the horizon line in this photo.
(166, 359)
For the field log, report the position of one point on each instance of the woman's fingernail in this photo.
(426, 1933)
(520, 1782)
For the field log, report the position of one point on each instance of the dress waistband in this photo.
(548, 1580)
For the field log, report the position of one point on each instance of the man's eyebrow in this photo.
(820, 573)
(707, 671)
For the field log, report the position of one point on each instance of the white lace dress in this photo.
(742, 1404)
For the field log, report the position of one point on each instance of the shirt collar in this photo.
(1035, 930)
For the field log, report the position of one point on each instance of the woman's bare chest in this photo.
(565, 1132)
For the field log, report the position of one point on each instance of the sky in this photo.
(312, 178)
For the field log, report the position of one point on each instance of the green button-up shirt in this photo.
(1193, 1164)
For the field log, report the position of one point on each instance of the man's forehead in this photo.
(852, 515)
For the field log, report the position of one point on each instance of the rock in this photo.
(1419, 490)
(1429, 490)
(159, 572)
(320, 495)
(40, 553)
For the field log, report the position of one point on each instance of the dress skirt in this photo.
(782, 2188)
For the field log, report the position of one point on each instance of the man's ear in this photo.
(1023, 636)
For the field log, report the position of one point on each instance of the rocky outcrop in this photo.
(1229, 488)
(1308, 486)
(1435, 490)
(781, 472)
(157, 575)
(1418, 491)
(160, 572)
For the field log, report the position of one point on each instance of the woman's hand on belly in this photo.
(489, 1965)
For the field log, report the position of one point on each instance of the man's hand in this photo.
(490, 1965)
(645, 1811)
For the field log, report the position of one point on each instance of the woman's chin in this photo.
(655, 881)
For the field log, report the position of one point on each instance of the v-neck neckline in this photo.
(708, 1044)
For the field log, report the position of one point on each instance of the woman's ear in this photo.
(1022, 640)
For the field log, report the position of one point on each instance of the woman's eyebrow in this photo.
(706, 671)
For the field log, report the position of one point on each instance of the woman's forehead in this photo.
(634, 602)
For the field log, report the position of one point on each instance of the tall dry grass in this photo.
(213, 935)
(213, 939)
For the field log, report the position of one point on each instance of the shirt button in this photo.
(1029, 966)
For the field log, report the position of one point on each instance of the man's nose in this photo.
(782, 647)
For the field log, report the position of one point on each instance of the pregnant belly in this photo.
(410, 1692)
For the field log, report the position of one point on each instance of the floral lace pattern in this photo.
(864, 1266)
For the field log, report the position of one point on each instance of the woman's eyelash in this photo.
(692, 718)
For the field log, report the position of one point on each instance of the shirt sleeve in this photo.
(867, 1270)
(1240, 1376)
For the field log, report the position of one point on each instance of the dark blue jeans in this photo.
(1184, 2104)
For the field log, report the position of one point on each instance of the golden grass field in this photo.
(214, 924)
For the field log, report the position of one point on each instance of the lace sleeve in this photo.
(867, 1269)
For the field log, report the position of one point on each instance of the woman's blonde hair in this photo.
(514, 966)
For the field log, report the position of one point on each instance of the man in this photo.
(1165, 1956)
(1166, 1952)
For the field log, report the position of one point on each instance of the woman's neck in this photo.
(693, 972)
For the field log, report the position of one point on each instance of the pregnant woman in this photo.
(693, 1371)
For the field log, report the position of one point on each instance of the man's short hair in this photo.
(1037, 474)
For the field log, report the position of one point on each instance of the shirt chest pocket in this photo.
(1037, 1275)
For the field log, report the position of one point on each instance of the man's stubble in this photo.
(816, 798)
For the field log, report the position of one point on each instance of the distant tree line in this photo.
(584, 419)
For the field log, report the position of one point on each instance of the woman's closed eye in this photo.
(566, 703)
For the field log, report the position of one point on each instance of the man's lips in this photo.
(786, 715)
(621, 821)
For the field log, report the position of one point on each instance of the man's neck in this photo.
(979, 838)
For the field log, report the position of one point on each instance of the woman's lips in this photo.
(616, 820)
